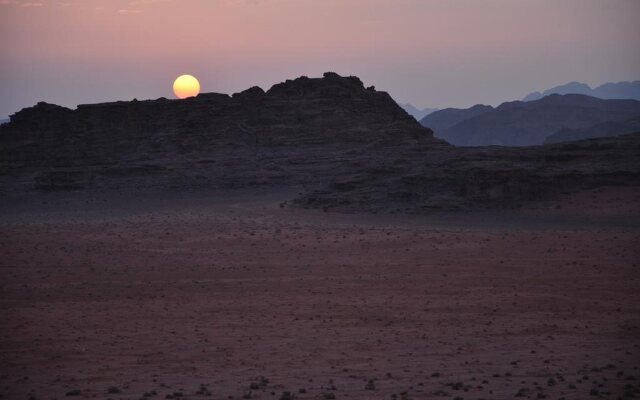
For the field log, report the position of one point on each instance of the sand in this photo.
(237, 297)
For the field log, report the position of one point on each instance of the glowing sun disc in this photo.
(186, 86)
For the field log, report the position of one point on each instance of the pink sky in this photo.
(435, 53)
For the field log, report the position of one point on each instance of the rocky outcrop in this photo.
(482, 178)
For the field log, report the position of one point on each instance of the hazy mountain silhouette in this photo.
(448, 117)
(530, 123)
(415, 112)
(605, 129)
(619, 90)
(341, 146)
(4, 120)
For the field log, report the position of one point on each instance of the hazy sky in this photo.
(434, 53)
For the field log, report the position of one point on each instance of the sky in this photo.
(431, 53)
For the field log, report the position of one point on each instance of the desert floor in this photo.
(233, 296)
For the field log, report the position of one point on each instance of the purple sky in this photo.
(434, 53)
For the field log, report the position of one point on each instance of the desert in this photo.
(186, 297)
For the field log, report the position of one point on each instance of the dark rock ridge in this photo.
(529, 123)
(310, 111)
(617, 90)
(604, 129)
(343, 146)
(467, 178)
(286, 135)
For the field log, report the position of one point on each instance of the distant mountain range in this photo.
(529, 123)
(619, 90)
(416, 112)
(4, 120)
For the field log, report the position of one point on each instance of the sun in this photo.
(186, 86)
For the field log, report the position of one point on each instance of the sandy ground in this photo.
(232, 297)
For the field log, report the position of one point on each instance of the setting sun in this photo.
(186, 86)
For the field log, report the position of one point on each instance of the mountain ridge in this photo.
(448, 117)
(264, 136)
(520, 123)
(611, 90)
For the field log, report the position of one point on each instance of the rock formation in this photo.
(343, 146)
(192, 142)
